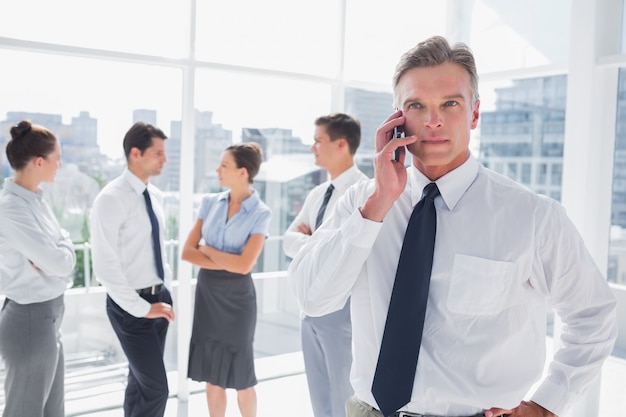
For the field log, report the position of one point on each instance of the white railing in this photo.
(96, 365)
(171, 249)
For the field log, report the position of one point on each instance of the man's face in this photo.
(437, 103)
(323, 148)
(152, 161)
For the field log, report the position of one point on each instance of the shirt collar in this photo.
(344, 180)
(246, 204)
(451, 186)
(28, 195)
(134, 181)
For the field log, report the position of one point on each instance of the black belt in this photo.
(407, 414)
(402, 413)
(155, 289)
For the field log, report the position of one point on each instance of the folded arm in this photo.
(191, 250)
(237, 263)
(54, 256)
(324, 271)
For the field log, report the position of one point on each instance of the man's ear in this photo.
(475, 115)
(134, 153)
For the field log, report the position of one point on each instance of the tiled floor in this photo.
(287, 396)
(281, 395)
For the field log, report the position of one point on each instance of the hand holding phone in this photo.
(398, 132)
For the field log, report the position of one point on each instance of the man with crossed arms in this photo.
(326, 340)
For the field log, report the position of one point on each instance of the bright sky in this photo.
(302, 38)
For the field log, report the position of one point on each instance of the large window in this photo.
(279, 115)
(159, 28)
(617, 257)
(282, 35)
(378, 33)
(502, 39)
(89, 104)
(521, 131)
(263, 70)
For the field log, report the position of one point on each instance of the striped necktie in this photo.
(322, 210)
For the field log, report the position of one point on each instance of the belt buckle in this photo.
(153, 290)
(407, 414)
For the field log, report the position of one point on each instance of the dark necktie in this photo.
(156, 241)
(399, 350)
(320, 213)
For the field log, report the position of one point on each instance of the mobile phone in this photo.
(398, 132)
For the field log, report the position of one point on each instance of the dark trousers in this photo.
(143, 342)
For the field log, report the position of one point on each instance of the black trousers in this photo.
(143, 342)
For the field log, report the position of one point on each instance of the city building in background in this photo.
(553, 118)
(523, 137)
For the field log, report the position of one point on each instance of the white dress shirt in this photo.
(502, 255)
(294, 240)
(121, 240)
(36, 256)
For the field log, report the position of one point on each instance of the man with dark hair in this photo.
(451, 268)
(127, 245)
(326, 340)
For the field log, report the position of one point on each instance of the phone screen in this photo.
(398, 132)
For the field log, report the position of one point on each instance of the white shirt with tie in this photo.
(294, 240)
(502, 256)
(121, 240)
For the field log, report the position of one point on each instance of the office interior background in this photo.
(211, 73)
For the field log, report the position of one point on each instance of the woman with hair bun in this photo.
(36, 260)
(225, 243)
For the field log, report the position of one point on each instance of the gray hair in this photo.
(436, 51)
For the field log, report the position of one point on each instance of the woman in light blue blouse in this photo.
(225, 242)
(36, 260)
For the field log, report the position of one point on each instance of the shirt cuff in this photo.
(552, 397)
(140, 308)
(361, 232)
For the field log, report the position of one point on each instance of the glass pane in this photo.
(617, 250)
(78, 100)
(502, 38)
(298, 36)
(278, 114)
(371, 108)
(89, 105)
(522, 129)
(153, 27)
(378, 33)
(623, 28)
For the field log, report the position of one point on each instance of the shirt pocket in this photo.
(479, 286)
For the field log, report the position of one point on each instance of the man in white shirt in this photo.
(127, 245)
(326, 340)
(502, 255)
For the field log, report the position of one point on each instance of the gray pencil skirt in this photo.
(30, 346)
(222, 335)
